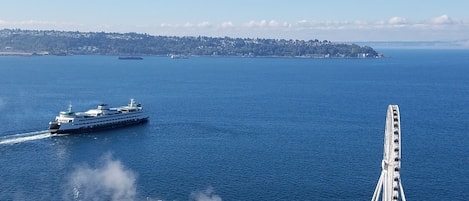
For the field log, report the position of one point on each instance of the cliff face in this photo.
(61, 42)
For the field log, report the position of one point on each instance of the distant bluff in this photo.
(101, 43)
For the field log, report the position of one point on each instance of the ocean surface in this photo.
(236, 128)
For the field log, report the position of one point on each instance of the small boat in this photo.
(130, 58)
(178, 56)
(100, 118)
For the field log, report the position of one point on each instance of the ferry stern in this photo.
(54, 127)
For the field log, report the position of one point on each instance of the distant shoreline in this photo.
(30, 54)
(51, 42)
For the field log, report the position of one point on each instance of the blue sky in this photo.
(359, 20)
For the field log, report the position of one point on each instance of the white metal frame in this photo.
(390, 180)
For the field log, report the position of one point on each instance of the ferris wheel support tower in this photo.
(389, 182)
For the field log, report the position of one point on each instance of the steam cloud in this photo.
(207, 195)
(110, 181)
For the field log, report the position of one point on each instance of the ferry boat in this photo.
(98, 119)
(178, 56)
(130, 58)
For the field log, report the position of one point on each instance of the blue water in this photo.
(236, 128)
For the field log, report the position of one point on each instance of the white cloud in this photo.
(397, 21)
(204, 24)
(261, 24)
(395, 28)
(188, 25)
(380, 22)
(274, 23)
(302, 22)
(227, 25)
(443, 19)
(252, 23)
(166, 25)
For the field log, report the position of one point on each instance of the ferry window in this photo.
(69, 121)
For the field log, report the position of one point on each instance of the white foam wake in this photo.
(23, 137)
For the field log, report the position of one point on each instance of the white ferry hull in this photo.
(102, 118)
(93, 128)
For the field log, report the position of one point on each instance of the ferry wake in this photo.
(24, 137)
(98, 119)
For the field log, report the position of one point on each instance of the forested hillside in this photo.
(101, 43)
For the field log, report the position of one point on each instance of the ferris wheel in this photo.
(390, 179)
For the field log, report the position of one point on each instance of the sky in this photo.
(334, 20)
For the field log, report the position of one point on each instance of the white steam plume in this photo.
(207, 195)
(110, 181)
